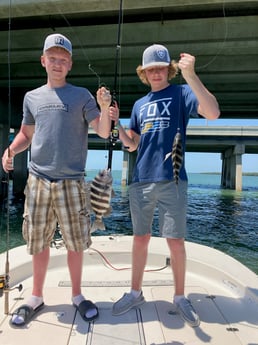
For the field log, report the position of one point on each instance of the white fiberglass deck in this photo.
(224, 293)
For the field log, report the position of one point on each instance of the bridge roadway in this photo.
(213, 139)
(230, 141)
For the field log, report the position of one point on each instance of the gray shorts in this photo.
(48, 203)
(171, 201)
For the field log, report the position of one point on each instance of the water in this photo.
(223, 219)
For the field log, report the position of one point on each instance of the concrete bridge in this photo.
(231, 142)
(221, 34)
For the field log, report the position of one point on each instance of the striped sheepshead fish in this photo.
(100, 197)
(177, 155)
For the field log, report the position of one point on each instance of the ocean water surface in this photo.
(223, 219)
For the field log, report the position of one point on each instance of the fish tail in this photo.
(177, 192)
(98, 224)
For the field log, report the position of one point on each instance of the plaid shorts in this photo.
(171, 201)
(47, 204)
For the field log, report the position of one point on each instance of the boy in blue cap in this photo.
(155, 121)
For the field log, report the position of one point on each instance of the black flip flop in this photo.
(27, 313)
(83, 307)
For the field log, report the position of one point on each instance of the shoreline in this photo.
(218, 173)
(188, 172)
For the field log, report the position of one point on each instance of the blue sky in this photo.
(195, 162)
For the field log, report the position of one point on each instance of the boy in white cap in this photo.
(56, 118)
(155, 120)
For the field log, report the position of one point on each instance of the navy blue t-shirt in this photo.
(156, 118)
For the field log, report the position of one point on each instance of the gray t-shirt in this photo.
(61, 117)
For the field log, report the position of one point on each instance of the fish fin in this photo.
(108, 211)
(98, 224)
(113, 194)
(167, 156)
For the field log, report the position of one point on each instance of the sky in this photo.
(195, 162)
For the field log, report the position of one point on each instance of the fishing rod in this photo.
(5, 279)
(114, 133)
(7, 265)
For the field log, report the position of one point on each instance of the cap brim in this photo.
(155, 64)
(58, 46)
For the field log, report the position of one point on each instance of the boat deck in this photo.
(228, 310)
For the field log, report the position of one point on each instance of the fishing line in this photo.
(96, 74)
(223, 42)
(91, 69)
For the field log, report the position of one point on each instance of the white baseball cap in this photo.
(155, 55)
(57, 40)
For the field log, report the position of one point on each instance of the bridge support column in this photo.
(231, 177)
(125, 168)
(128, 165)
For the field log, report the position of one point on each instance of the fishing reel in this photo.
(114, 132)
(114, 135)
(4, 285)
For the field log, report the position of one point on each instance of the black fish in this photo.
(177, 155)
(100, 197)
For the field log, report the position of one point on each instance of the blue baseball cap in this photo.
(155, 55)
(57, 40)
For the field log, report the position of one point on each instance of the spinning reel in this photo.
(4, 285)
